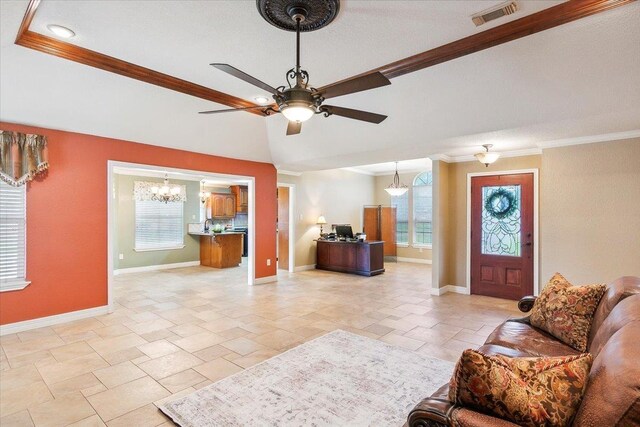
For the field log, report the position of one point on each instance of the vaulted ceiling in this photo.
(575, 80)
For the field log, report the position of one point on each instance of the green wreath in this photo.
(501, 203)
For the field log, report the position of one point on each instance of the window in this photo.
(158, 225)
(422, 209)
(401, 203)
(13, 233)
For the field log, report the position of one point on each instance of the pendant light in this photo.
(396, 189)
(204, 195)
(486, 157)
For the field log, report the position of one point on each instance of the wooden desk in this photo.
(363, 258)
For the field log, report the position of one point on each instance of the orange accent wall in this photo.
(67, 219)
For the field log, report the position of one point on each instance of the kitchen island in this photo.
(220, 250)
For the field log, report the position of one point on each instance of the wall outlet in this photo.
(269, 262)
(420, 250)
(193, 217)
(121, 256)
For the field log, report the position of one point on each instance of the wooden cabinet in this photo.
(242, 197)
(221, 250)
(221, 205)
(363, 258)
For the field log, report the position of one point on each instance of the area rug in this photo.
(339, 379)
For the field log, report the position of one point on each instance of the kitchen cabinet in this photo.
(221, 205)
(242, 197)
(222, 250)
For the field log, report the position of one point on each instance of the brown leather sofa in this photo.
(612, 396)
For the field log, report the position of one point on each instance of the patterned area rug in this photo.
(339, 379)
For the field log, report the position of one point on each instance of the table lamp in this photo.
(321, 221)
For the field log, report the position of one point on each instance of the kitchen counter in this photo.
(202, 233)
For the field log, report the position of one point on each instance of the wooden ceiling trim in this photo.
(55, 47)
(554, 16)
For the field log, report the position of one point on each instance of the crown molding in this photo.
(607, 137)
(286, 172)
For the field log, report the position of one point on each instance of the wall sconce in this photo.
(321, 221)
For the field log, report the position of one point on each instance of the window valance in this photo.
(143, 191)
(22, 157)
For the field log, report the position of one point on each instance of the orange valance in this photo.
(22, 157)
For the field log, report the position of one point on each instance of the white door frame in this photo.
(112, 164)
(292, 225)
(536, 241)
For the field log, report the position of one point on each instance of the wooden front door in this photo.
(283, 228)
(502, 235)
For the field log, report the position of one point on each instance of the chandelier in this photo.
(396, 189)
(166, 193)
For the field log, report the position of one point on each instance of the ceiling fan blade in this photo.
(357, 84)
(246, 77)
(228, 110)
(294, 128)
(349, 113)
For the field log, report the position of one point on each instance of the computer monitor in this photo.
(344, 231)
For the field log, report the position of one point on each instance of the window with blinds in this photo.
(158, 225)
(422, 209)
(401, 203)
(13, 233)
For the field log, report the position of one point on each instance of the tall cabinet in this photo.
(379, 223)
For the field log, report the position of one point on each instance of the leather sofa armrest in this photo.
(526, 303)
(431, 412)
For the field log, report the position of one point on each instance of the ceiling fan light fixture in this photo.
(297, 113)
(487, 157)
(261, 99)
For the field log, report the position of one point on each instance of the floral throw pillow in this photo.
(529, 391)
(566, 311)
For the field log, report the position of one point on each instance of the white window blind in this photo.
(159, 225)
(422, 209)
(13, 230)
(401, 203)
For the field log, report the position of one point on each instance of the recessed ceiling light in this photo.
(261, 99)
(61, 31)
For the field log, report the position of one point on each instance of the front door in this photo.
(502, 235)
(283, 228)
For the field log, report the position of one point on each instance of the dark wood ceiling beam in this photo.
(540, 21)
(94, 59)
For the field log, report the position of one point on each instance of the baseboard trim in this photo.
(155, 267)
(41, 322)
(263, 280)
(450, 288)
(413, 260)
(305, 267)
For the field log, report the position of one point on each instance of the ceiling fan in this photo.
(299, 101)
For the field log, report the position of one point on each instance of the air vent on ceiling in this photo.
(495, 12)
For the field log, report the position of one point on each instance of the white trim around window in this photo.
(13, 237)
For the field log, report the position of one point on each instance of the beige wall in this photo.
(441, 224)
(591, 215)
(125, 226)
(383, 198)
(454, 234)
(337, 194)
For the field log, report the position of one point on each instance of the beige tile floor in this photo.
(175, 331)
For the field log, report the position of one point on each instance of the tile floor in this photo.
(175, 331)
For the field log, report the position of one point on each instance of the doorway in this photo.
(284, 229)
(503, 235)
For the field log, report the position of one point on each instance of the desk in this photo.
(363, 258)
